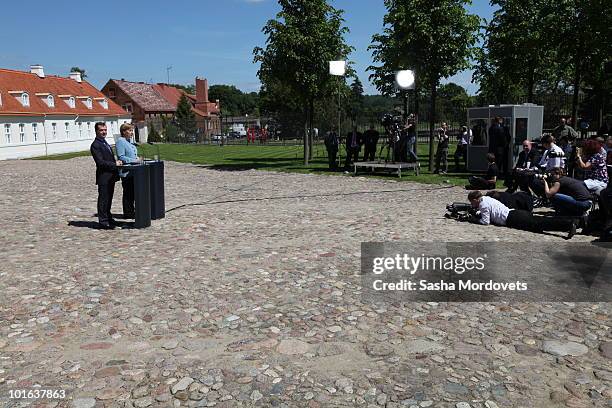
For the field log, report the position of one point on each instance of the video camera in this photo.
(460, 211)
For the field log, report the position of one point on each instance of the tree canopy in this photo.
(301, 41)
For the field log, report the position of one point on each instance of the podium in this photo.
(156, 182)
(149, 201)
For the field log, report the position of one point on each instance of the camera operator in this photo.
(516, 201)
(489, 181)
(410, 136)
(553, 155)
(496, 213)
(527, 160)
(596, 171)
(442, 152)
(567, 195)
(465, 138)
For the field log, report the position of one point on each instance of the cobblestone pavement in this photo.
(238, 300)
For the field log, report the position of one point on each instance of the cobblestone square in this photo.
(248, 294)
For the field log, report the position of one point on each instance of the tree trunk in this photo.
(310, 128)
(530, 84)
(577, 78)
(306, 139)
(432, 121)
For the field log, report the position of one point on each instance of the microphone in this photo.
(156, 145)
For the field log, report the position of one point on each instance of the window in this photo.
(71, 102)
(128, 107)
(104, 103)
(88, 103)
(80, 125)
(89, 128)
(51, 101)
(0, 99)
(25, 99)
(53, 131)
(111, 93)
(67, 126)
(21, 133)
(7, 133)
(35, 131)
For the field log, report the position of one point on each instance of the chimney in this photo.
(201, 90)
(38, 70)
(76, 76)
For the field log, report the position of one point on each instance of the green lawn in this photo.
(276, 158)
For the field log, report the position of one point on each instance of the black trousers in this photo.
(352, 155)
(128, 195)
(370, 153)
(105, 200)
(479, 183)
(461, 152)
(442, 157)
(331, 156)
(526, 221)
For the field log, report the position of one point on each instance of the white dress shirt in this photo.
(492, 211)
(550, 163)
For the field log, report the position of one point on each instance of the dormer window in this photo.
(25, 99)
(50, 101)
(104, 103)
(88, 103)
(0, 99)
(71, 102)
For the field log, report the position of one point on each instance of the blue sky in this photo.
(138, 40)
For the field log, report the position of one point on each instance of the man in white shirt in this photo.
(553, 155)
(496, 213)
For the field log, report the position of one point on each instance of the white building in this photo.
(42, 115)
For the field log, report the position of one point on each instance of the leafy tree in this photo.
(356, 99)
(454, 101)
(234, 102)
(81, 70)
(517, 53)
(184, 117)
(190, 89)
(435, 39)
(301, 41)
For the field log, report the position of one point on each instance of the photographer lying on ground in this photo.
(515, 201)
(494, 212)
(567, 195)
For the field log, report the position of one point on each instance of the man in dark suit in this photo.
(106, 175)
(354, 140)
(528, 158)
(370, 139)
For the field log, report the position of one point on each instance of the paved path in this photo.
(242, 300)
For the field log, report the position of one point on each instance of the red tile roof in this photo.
(169, 93)
(11, 80)
(145, 95)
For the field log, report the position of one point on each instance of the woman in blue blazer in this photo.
(127, 153)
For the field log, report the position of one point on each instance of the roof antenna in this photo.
(168, 74)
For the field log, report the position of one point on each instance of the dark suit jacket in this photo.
(349, 139)
(533, 158)
(106, 167)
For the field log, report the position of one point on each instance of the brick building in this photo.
(148, 103)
